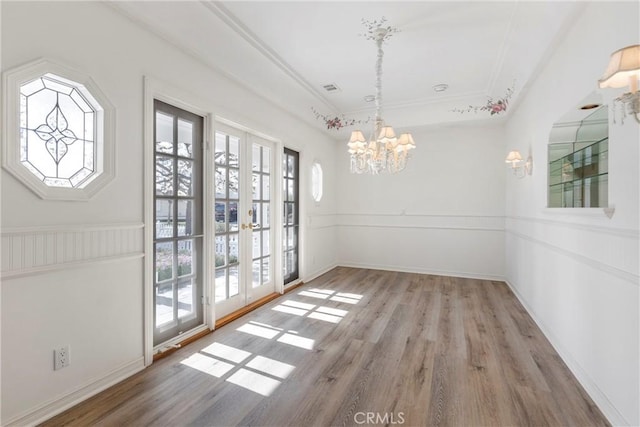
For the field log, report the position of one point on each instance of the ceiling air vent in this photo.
(331, 88)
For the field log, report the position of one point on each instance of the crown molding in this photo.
(167, 38)
(250, 37)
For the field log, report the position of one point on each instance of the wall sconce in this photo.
(520, 167)
(624, 70)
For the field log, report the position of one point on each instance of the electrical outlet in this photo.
(61, 357)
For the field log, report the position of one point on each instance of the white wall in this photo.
(577, 273)
(443, 214)
(73, 272)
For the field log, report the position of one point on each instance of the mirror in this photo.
(578, 157)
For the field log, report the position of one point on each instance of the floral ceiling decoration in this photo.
(337, 122)
(493, 106)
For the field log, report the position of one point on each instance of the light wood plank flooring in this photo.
(359, 347)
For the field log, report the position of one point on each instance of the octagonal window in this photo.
(58, 131)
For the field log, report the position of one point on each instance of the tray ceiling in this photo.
(287, 51)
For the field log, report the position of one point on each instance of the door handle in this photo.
(247, 226)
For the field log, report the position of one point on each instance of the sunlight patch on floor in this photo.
(260, 375)
(297, 341)
(260, 331)
(208, 365)
(226, 352)
(272, 367)
(253, 381)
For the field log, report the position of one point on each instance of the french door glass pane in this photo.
(261, 237)
(227, 194)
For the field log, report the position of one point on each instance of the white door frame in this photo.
(154, 89)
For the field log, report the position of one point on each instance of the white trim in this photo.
(320, 227)
(312, 276)
(71, 228)
(588, 212)
(59, 404)
(417, 214)
(174, 342)
(614, 231)
(166, 38)
(104, 146)
(292, 283)
(590, 386)
(156, 89)
(34, 271)
(252, 39)
(418, 227)
(433, 272)
(590, 262)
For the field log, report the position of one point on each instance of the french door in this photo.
(244, 241)
(178, 222)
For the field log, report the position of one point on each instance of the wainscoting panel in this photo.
(36, 250)
(451, 245)
(611, 250)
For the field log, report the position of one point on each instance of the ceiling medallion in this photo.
(496, 106)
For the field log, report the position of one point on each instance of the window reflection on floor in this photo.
(258, 373)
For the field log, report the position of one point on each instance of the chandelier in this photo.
(383, 151)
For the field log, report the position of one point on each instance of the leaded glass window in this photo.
(58, 131)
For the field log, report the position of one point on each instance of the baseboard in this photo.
(592, 389)
(435, 272)
(54, 407)
(318, 273)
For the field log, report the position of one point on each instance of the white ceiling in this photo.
(286, 51)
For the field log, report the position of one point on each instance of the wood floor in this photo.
(359, 347)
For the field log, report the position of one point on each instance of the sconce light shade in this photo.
(519, 168)
(514, 158)
(623, 69)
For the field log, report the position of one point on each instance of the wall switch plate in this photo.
(61, 357)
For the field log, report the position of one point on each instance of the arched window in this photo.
(316, 181)
(57, 131)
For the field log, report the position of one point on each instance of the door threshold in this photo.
(246, 309)
(170, 348)
(224, 320)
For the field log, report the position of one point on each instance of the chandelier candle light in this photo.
(384, 152)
